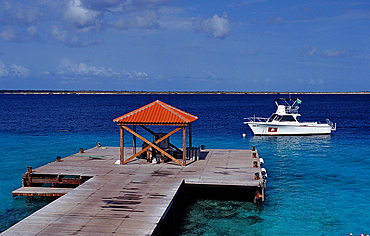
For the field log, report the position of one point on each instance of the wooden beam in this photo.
(136, 154)
(177, 149)
(121, 144)
(153, 145)
(184, 145)
(134, 140)
(146, 148)
(153, 133)
(164, 153)
(147, 129)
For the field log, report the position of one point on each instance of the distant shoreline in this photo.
(160, 92)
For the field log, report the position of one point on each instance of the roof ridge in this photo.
(172, 112)
(178, 111)
(135, 111)
(166, 112)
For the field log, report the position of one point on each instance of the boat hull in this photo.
(262, 128)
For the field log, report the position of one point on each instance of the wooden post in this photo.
(183, 145)
(121, 145)
(134, 140)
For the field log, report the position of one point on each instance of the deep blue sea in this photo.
(317, 185)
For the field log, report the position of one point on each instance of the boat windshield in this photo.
(287, 118)
(281, 118)
(272, 117)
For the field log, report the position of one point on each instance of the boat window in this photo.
(288, 118)
(273, 117)
(277, 117)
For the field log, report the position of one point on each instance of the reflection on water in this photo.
(292, 141)
(291, 145)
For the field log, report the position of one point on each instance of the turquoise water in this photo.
(317, 185)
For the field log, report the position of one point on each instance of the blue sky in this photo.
(171, 45)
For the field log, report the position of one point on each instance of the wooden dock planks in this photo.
(41, 191)
(128, 199)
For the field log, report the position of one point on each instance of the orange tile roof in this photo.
(155, 113)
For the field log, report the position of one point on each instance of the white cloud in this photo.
(338, 52)
(75, 22)
(120, 6)
(129, 75)
(120, 24)
(147, 20)
(13, 71)
(81, 17)
(67, 67)
(21, 13)
(20, 71)
(3, 70)
(58, 34)
(141, 75)
(310, 51)
(9, 35)
(311, 81)
(63, 36)
(32, 30)
(216, 26)
(210, 74)
(45, 73)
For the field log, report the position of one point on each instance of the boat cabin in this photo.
(282, 118)
(284, 113)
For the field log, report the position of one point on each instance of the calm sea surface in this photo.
(317, 185)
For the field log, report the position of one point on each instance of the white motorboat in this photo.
(285, 121)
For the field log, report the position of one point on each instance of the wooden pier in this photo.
(130, 199)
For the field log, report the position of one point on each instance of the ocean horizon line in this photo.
(164, 92)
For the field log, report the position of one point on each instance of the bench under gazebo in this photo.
(156, 113)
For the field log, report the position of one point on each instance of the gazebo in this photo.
(156, 113)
